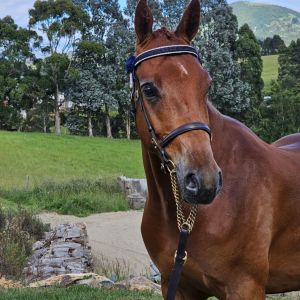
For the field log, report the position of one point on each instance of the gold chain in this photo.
(190, 221)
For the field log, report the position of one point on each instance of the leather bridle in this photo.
(131, 64)
(185, 225)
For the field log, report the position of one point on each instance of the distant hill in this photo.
(266, 20)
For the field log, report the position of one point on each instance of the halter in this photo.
(185, 225)
(131, 64)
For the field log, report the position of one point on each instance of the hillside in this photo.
(266, 20)
(38, 158)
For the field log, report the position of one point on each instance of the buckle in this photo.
(183, 259)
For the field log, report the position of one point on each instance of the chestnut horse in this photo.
(246, 239)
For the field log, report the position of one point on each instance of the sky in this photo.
(18, 9)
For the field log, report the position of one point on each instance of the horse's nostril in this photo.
(192, 183)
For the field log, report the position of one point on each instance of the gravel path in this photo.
(113, 235)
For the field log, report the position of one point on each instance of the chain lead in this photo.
(181, 222)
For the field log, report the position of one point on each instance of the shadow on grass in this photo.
(80, 197)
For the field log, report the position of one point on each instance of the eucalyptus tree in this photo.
(61, 23)
(15, 51)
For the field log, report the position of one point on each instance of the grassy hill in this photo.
(67, 174)
(266, 20)
(270, 71)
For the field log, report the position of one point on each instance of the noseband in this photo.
(131, 64)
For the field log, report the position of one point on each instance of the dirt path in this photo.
(113, 235)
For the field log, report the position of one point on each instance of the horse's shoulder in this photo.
(290, 142)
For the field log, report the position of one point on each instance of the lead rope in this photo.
(185, 227)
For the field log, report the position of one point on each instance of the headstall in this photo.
(185, 225)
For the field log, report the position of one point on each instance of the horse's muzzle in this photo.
(195, 190)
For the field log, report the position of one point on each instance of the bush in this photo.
(18, 231)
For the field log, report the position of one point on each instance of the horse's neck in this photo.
(229, 135)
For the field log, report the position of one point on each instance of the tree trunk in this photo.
(44, 124)
(107, 121)
(57, 114)
(128, 131)
(90, 125)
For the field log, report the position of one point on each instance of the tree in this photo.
(61, 23)
(248, 52)
(83, 83)
(273, 45)
(216, 42)
(15, 51)
(281, 114)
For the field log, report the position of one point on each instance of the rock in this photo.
(140, 284)
(9, 284)
(131, 186)
(65, 280)
(64, 250)
(37, 245)
(136, 201)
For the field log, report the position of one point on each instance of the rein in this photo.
(185, 225)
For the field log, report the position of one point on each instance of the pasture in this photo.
(270, 71)
(67, 174)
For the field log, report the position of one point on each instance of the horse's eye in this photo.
(149, 91)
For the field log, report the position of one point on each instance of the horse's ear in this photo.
(189, 24)
(143, 21)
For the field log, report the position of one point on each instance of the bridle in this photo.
(131, 64)
(185, 225)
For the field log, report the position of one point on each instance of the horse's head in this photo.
(174, 92)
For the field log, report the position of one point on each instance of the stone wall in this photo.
(65, 250)
(135, 190)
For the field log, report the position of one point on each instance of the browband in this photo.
(133, 61)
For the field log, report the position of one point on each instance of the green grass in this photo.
(84, 293)
(79, 197)
(32, 158)
(66, 174)
(76, 292)
(270, 71)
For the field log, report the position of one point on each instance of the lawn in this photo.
(67, 174)
(76, 292)
(270, 71)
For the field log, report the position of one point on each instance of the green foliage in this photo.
(18, 230)
(267, 20)
(248, 52)
(76, 292)
(280, 115)
(273, 45)
(217, 45)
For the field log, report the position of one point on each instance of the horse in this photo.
(246, 236)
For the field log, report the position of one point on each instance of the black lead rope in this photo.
(180, 259)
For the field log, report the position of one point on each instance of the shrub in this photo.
(18, 231)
